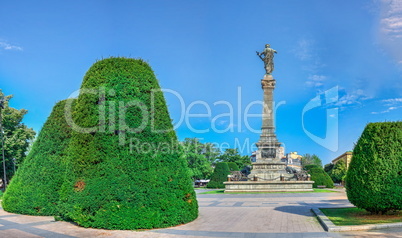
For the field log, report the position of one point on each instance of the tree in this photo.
(339, 172)
(328, 168)
(211, 152)
(17, 136)
(219, 176)
(319, 176)
(126, 169)
(232, 155)
(198, 157)
(374, 177)
(34, 190)
(311, 159)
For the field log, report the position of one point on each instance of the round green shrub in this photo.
(219, 176)
(127, 169)
(233, 166)
(34, 190)
(374, 177)
(319, 176)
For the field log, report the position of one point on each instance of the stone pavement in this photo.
(221, 215)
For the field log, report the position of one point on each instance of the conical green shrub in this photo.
(319, 176)
(34, 189)
(374, 177)
(219, 175)
(127, 169)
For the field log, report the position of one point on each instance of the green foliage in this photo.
(129, 172)
(17, 136)
(232, 155)
(338, 173)
(374, 177)
(219, 176)
(311, 159)
(199, 158)
(34, 190)
(319, 176)
(233, 166)
(328, 168)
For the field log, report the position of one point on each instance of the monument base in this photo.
(268, 186)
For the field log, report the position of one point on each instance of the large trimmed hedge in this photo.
(34, 189)
(219, 176)
(319, 176)
(122, 178)
(374, 177)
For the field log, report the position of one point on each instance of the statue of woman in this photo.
(268, 58)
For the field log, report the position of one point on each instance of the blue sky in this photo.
(205, 51)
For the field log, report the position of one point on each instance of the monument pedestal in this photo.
(268, 186)
(269, 171)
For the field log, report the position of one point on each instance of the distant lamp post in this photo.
(2, 101)
(14, 163)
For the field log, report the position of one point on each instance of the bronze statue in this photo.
(268, 58)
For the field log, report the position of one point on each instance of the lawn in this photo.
(315, 191)
(356, 216)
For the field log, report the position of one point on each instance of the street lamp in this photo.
(2, 101)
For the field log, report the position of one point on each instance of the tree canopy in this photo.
(232, 155)
(200, 157)
(17, 136)
(311, 159)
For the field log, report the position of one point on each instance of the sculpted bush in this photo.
(374, 177)
(219, 176)
(128, 171)
(34, 189)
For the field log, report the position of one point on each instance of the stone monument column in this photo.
(268, 165)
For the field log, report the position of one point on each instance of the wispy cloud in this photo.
(392, 101)
(390, 104)
(304, 50)
(391, 21)
(7, 46)
(316, 80)
(351, 99)
(390, 28)
(387, 110)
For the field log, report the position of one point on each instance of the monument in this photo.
(268, 172)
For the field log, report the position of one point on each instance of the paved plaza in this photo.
(221, 215)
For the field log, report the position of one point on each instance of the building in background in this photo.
(293, 160)
(347, 157)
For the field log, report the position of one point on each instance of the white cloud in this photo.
(304, 49)
(391, 18)
(387, 110)
(316, 80)
(390, 28)
(391, 104)
(6, 46)
(392, 101)
(356, 97)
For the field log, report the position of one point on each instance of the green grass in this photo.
(315, 191)
(356, 216)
